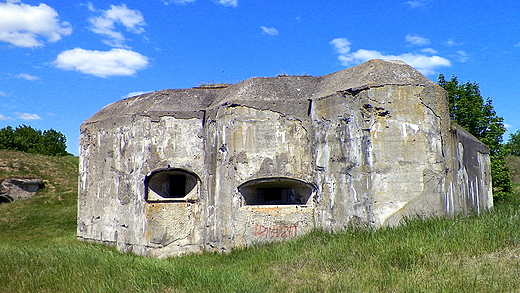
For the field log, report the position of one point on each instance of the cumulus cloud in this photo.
(24, 25)
(2, 117)
(270, 30)
(27, 116)
(417, 40)
(105, 24)
(233, 3)
(424, 63)
(341, 45)
(102, 63)
(27, 76)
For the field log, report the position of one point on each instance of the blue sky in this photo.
(62, 61)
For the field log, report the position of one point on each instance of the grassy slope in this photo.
(39, 253)
(49, 215)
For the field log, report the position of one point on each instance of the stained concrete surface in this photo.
(267, 159)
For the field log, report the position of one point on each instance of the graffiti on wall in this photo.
(275, 231)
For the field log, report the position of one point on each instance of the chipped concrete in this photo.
(267, 159)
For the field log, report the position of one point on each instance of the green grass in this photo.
(39, 253)
(513, 162)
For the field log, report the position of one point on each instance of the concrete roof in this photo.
(265, 89)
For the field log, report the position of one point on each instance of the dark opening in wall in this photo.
(170, 184)
(177, 186)
(272, 193)
(5, 198)
(276, 191)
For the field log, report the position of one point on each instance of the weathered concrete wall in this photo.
(267, 159)
(115, 160)
(407, 153)
(468, 186)
(253, 144)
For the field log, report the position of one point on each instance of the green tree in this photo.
(27, 139)
(469, 109)
(7, 138)
(513, 144)
(54, 143)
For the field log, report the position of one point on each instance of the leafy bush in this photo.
(27, 139)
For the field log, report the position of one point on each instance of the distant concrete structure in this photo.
(12, 189)
(180, 171)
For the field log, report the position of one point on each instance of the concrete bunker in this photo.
(186, 170)
(12, 189)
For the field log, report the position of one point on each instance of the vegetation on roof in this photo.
(214, 85)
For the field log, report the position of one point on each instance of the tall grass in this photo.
(462, 254)
(477, 253)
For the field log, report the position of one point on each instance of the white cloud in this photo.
(133, 94)
(27, 76)
(27, 116)
(2, 117)
(451, 43)
(270, 30)
(3, 94)
(424, 63)
(101, 63)
(429, 51)
(341, 45)
(177, 1)
(417, 40)
(416, 3)
(24, 25)
(131, 20)
(463, 57)
(89, 6)
(233, 3)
